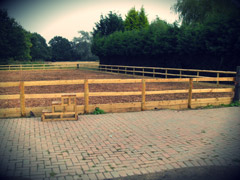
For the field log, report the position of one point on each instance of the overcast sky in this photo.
(65, 18)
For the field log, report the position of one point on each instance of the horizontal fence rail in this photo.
(143, 105)
(49, 66)
(163, 72)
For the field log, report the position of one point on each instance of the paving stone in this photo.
(119, 144)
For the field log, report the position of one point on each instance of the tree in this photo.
(199, 11)
(135, 19)
(61, 49)
(108, 24)
(82, 46)
(39, 49)
(14, 40)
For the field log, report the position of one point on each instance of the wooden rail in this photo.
(49, 66)
(143, 105)
(162, 72)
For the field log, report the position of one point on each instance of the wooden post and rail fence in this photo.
(118, 107)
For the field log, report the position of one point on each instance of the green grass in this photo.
(233, 104)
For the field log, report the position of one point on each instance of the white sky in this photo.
(65, 18)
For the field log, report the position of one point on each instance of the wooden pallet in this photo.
(60, 109)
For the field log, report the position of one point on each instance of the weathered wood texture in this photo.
(88, 108)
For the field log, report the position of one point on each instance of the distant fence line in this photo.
(154, 72)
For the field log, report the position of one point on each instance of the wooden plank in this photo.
(167, 92)
(52, 95)
(9, 84)
(143, 95)
(14, 96)
(57, 82)
(208, 100)
(167, 103)
(117, 107)
(213, 90)
(101, 81)
(22, 100)
(168, 80)
(86, 96)
(214, 79)
(190, 92)
(203, 104)
(176, 69)
(38, 110)
(10, 112)
(115, 93)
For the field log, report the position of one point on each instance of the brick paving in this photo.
(120, 144)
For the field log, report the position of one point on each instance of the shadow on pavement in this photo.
(194, 173)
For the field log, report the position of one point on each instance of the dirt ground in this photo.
(12, 76)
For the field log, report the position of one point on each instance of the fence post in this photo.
(143, 72)
(190, 92)
(86, 96)
(237, 86)
(217, 79)
(22, 100)
(143, 94)
(166, 73)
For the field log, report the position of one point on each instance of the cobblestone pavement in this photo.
(120, 144)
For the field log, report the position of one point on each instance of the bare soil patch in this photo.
(12, 76)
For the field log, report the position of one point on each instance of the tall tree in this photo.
(108, 24)
(14, 40)
(82, 46)
(39, 49)
(61, 49)
(199, 11)
(135, 19)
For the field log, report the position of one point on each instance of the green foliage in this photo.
(98, 111)
(81, 47)
(199, 11)
(61, 49)
(14, 40)
(136, 20)
(108, 24)
(212, 43)
(39, 49)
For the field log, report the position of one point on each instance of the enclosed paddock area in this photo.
(22, 91)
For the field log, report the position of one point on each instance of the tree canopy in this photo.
(39, 49)
(108, 24)
(208, 38)
(60, 48)
(199, 11)
(14, 40)
(135, 19)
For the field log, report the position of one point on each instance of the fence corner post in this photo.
(143, 94)
(190, 93)
(237, 86)
(22, 100)
(86, 96)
